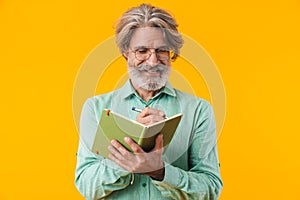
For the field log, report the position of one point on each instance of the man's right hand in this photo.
(150, 116)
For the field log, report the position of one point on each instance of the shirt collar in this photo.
(168, 89)
(127, 90)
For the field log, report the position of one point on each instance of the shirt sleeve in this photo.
(95, 176)
(202, 180)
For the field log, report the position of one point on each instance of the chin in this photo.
(153, 86)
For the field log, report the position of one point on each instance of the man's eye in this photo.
(141, 51)
(162, 51)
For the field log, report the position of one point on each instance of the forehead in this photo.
(147, 37)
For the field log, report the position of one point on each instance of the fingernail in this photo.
(113, 141)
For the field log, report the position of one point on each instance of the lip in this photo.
(152, 74)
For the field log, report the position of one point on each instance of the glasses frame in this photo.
(156, 51)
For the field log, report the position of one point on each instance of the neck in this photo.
(144, 94)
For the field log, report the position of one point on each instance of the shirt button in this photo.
(144, 184)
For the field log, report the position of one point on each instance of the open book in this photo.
(115, 126)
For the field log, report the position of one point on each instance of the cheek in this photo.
(132, 62)
(166, 62)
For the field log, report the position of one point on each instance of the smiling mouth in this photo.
(152, 73)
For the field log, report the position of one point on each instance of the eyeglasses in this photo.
(162, 54)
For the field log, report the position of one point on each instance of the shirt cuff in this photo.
(172, 176)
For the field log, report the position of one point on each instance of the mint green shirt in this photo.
(191, 159)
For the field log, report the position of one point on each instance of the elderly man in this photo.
(189, 168)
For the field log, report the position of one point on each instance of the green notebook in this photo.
(115, 126)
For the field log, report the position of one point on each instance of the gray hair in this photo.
(146, 15)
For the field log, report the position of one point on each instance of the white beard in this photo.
(136, 74)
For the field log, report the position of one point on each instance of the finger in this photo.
(151, 111)
(113, 158)
(113, 150)
(115, 153)
(150, 119)
(122, 150)
(143, 120)
(118, 162)
(118, 157)
(145, 112)
(134, 146)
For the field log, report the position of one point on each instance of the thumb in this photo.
(159, 142)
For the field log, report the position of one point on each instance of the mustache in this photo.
(156, 68)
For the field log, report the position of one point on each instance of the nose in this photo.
(152, 60)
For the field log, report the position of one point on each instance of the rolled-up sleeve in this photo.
(202, 180)
(95, 176)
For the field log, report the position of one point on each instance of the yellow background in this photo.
(255, 45)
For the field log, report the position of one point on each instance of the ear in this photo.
(125, 55)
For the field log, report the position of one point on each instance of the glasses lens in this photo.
(142, 54)
(163, 54)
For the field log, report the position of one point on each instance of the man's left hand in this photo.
(148, 163)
